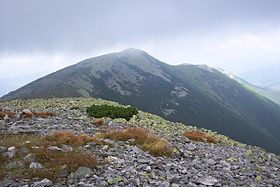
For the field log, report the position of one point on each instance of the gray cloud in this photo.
(86, 25)
(45, 35)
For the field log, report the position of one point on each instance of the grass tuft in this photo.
(98, 122)
(66, 137)
(143, 138)
(9, 113)
(53, 161)
(44, 114)
(199, 136)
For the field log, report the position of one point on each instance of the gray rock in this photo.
(6, 119)
(3, 149)
(148, 169)
(11, 152)
(43, 183)
(210, 161)
(108, 141)
(136, 150)
(66, 148)
(14, 165)
(105, 148)
(191, 146)
(6, 182)
(26, 111)
(12, 149)
(209, 181)
(54, 148)
(83, 184)
(165, 184)
(35, 165)
(82, 172)
(190, 184)
(2, 125)
(62, 173)
(184, 171)
(29, 158)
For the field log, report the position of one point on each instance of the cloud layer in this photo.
(44, 36)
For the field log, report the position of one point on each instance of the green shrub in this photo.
(99, 111)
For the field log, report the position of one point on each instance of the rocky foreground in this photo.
(119, 163)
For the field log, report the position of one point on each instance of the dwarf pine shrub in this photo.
(99, 111)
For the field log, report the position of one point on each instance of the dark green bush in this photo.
(99, 111)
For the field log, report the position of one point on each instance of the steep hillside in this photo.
(197, 95)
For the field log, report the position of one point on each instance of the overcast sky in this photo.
(40, 36)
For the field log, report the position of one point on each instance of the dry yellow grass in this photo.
(98, 122)
(66, 137)
(51, 160)
(144, 138)
(197, 135)
(9, 113)
(20, 140)
(44, 114)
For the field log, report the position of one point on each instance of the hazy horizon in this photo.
(40, 37)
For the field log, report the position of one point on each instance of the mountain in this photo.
(268, 78)
(12, 83)
(270, 93)
(196, 95)
(265, 81)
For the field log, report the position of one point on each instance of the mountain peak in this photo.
(133, 52)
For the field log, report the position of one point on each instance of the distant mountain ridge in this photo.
(196, 95)
(268, 78)
(271, 93)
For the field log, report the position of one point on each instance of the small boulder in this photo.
(54, 148)
(43, 183)
(82, 172)
(3, 149)
(2, 124)
(208, 181)
(29, 158)
(66, 148)
(35, 165)
(105, 148)
(6, 119)
(11, 152)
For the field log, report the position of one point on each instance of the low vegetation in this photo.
(4, 113)
(57, 161)
(98, 122)
(53, 161)
(44, 114)
(68, 138)
(143, 138)
(99, 111)
(197, 135)
(28, 114)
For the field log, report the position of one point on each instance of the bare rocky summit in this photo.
(39, 150)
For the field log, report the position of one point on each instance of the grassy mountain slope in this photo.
(196, 95)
